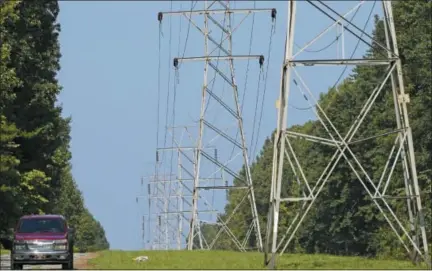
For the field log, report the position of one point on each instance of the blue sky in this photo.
(109, 71)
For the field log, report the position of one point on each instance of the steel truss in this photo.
(170, 196)
(183, 184)
(209, 13)
(403, 145)
(159, 219)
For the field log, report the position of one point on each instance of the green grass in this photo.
(235, 260)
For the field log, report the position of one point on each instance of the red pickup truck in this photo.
(42, 239)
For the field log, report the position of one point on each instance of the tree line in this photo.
(35, 167)
(343, 219)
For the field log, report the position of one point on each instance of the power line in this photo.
(332, 42)
(158, 91)
(173, 116)
(248, 61)
(265, 88)
(322, 49)
(247, 74)
(357, 45)
(255, 114)
(169, 78)
(351, 57)
(188, 29)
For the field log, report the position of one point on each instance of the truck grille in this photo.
(40, 246)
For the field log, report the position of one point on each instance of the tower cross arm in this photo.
(217, 11)
(210, 58)
(356, 62)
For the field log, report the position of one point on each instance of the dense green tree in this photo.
(18, 188)
(35, 175)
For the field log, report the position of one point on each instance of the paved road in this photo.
(5, 263)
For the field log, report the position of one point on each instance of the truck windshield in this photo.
(37, 225)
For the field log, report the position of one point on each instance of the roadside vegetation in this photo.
(3, 251)
(230, 260)
(35, 168)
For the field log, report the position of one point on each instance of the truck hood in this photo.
(40, 236)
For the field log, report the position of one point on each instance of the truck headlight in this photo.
(19, 245)
(60, 244)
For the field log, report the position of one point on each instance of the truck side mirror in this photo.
(71, 231)
(71, 235)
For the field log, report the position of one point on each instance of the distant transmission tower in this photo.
(182, 186)
(284, 143)
(230, 105)
(169, 197)
(161, 223)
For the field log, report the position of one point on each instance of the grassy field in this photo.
(235, 260)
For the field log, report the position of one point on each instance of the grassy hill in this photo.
(236, 260)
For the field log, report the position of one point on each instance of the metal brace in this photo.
(403, 98)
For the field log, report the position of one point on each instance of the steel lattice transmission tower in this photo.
(161, 224)
(181, 185)
(169, 196)
(413, 237)
(210, 13)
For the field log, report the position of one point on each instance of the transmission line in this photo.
(265, 86)
(173, 116)
(357, 45)
(247, 75)
(169, 82)
(346, 66)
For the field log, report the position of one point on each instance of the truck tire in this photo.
(68, 266)
(16, 266)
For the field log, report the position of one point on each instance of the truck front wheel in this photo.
(68, 266)
(16, 266)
